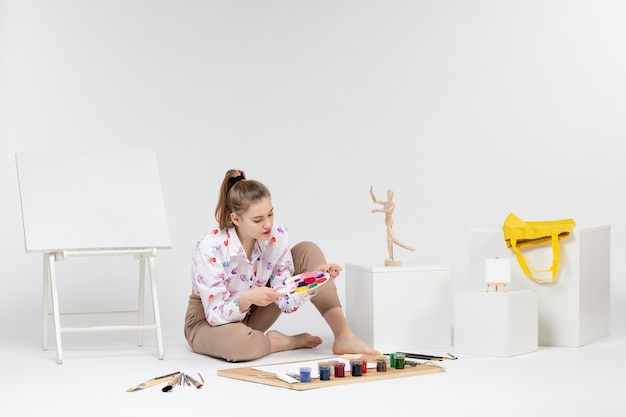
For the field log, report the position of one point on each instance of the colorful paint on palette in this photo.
(310, 282)
(305, 282)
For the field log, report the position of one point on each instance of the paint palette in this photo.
(306, 281)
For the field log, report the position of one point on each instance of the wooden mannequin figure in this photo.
(388, 208)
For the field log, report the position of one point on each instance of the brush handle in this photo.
(151, 382)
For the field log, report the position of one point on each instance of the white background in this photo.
(468, 110)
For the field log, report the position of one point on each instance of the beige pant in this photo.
(246, 340)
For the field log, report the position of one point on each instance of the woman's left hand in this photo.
(331, 269)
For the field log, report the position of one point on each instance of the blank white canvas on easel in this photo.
(92, 200)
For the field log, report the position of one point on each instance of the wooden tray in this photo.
(251, 374)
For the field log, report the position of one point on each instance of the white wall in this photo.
(467, 109)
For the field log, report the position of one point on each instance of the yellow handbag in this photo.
(519, 234)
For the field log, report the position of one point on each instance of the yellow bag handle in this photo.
(518, 233)
(522, 260)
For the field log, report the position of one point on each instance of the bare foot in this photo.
(280, 341)
(352, 344)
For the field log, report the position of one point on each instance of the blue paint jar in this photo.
(305, 374)
(324, 372)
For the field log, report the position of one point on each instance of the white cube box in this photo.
(574, 309)
(395, 308)
(495, 323)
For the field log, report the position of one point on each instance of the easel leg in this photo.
(44, 302)
(140, 301)
(55, 306)
(155, 307)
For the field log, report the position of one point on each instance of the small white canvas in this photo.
(497, 270)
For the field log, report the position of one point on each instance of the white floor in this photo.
(585, 381)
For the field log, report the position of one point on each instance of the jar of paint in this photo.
(399, 359)
(305, 374)
(356, 368)
(381, 365)
(340, 369)
(324, 372)
(392, 360)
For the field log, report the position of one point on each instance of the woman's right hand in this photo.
(259, 296)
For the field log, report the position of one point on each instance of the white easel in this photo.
(93, 204)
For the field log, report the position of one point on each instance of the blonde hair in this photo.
(236, 194)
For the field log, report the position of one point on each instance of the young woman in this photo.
(237, 272)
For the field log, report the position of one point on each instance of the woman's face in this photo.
(256, 222)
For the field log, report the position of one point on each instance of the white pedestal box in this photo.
(574, 309)
(495, 324)
(395, 308)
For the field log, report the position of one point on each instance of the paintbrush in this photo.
(173, 381)
(193, 381)
(428, 357)
(151, 382)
